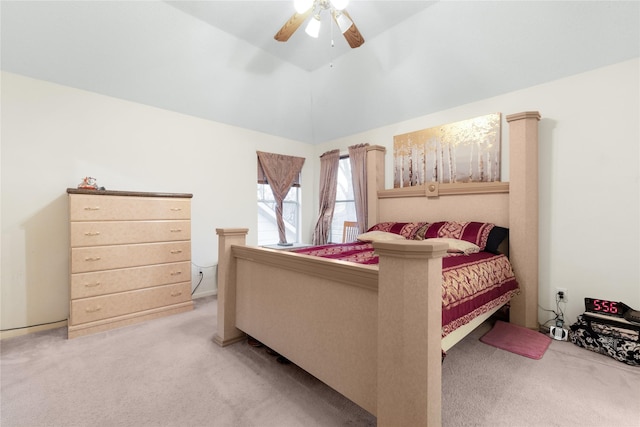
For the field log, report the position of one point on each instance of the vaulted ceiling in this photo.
(218, 59)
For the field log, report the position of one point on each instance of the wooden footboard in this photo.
(363, 330)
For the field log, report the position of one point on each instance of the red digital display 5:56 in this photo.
(610, 308)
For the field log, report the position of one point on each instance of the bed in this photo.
(374, 332)
(477, 277)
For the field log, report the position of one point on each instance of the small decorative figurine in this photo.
(88, 183)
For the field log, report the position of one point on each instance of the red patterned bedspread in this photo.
(472, 284)
(359, 252)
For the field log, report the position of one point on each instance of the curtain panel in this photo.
(329, 164)
(358, 160)
(281, 172)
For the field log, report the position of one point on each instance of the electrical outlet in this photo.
(561, 295)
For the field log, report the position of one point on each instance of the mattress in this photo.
(472, 284)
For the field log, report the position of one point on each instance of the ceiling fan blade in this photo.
(291, 25)
(353, 36)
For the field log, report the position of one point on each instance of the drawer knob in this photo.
(93, 309)
(176, 293)
(95, 258)
(176, 230)
(176, 209)
(91, 285)
(176, 251)
(176, 273)
(92, 208)
(92, 233)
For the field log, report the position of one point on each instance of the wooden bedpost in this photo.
(523, 215)
(227, 332)
(375, 180)
(409, 333)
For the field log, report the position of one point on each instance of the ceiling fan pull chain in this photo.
(332, 44)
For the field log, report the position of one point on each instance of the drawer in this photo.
(86, 207)
(125, 232)
(108, 306)
(122, 256)
(126, 279)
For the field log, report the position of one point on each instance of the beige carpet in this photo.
(168, 372)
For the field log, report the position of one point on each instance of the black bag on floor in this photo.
(607, 336)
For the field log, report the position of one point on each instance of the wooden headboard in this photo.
(511, 204)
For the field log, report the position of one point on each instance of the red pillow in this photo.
(474, 232)
(405, 229)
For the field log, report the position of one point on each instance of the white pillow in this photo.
(456, 245)
(379, 236)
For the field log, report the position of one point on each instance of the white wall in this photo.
(589, 179)
(53, 135)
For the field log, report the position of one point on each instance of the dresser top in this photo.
(127, 193)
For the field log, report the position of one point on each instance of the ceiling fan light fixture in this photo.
(313, 27)
(315, 9)
(339, 4)
(302, 6)
(343, 22)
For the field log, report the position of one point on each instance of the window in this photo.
(345, 208)
(267, 226)
(284, 171)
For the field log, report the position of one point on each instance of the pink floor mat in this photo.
(517, 339)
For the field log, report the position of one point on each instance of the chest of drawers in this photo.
(130, 258)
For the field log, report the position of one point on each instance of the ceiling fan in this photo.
(336, 8)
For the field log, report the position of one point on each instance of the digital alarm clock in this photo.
(611, 308)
